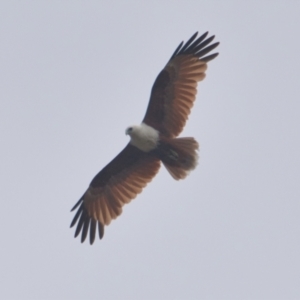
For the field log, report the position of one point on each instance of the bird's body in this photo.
(152, 142)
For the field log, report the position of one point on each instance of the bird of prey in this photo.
(151, 143)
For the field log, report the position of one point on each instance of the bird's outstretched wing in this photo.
(115, 185)
(174, 90)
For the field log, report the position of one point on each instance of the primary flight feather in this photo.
(154, 141)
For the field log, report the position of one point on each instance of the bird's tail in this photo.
(179, 156)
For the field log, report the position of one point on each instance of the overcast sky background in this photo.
(74, 75)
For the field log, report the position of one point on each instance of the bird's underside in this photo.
(152, 142)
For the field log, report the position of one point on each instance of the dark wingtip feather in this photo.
(206, 50)
(177, 50)
(79, 212)
(77, 203)
(200, 39)
(93, 231)
(197, 47)
(86, 224)
(209, 57)
(196, 43)
(85, 229)
(100, 230)
(201, 46)
(187, 44)
(80, 224)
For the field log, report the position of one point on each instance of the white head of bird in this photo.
(143, 137)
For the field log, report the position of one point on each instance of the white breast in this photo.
(144, 137)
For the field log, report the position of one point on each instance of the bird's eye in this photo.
(130, 129)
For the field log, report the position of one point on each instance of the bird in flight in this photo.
(151, 143)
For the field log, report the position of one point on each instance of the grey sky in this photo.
(74, 75)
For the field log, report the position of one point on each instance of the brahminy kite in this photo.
(154, 141)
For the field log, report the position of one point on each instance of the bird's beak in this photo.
(126, 132)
